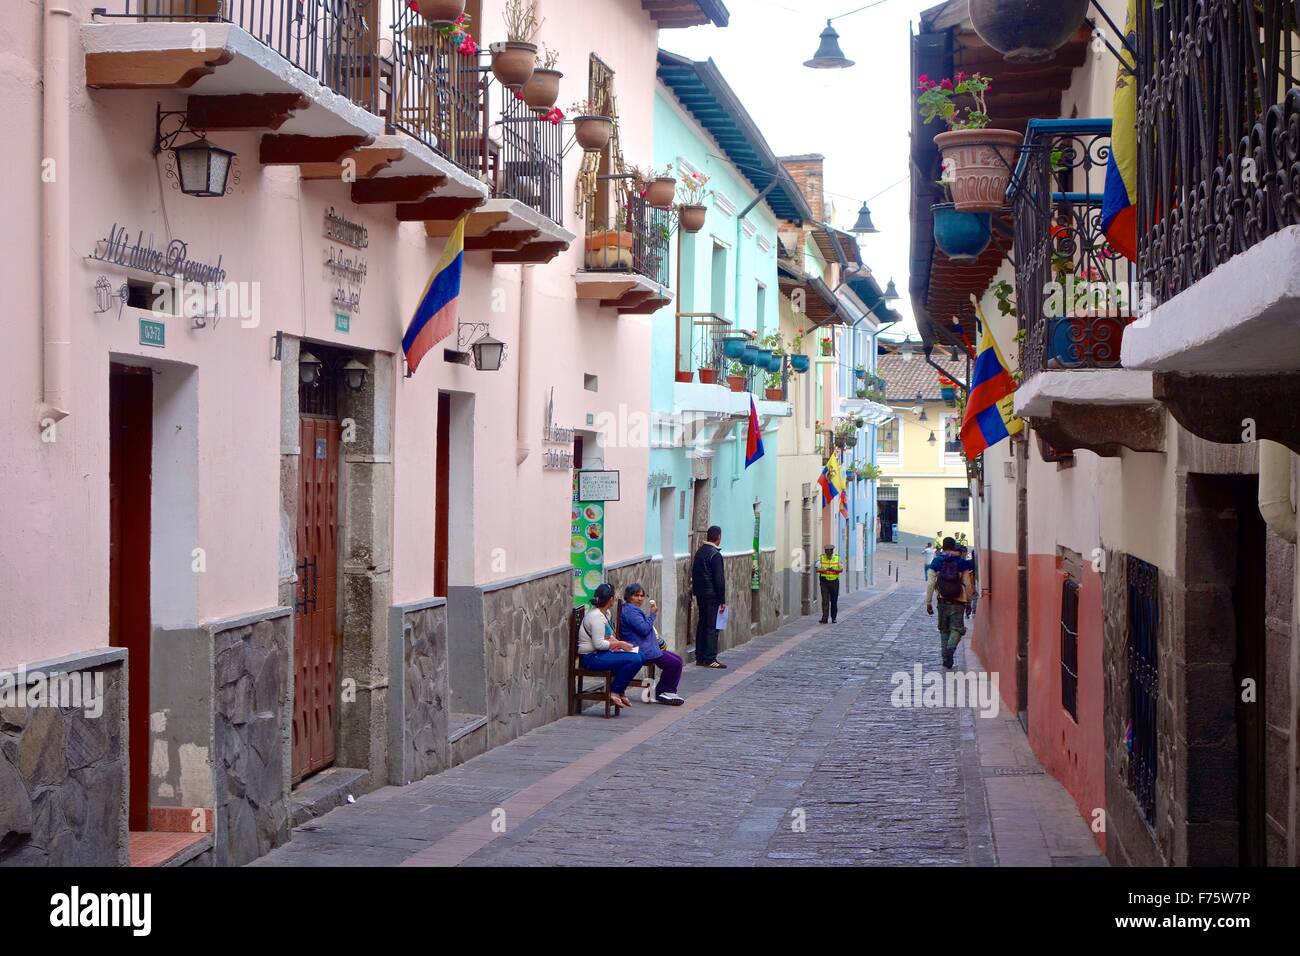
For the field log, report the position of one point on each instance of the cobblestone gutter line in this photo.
(477, 834)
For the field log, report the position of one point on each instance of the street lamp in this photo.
(202, 167)
(354, 375)
(309, 367)
(829, 56)
(488, 353)
(891, 292)
(864, 226)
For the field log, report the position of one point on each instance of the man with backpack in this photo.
(952, 577)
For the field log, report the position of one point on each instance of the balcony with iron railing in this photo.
(329, 41)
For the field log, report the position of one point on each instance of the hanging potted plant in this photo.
(869, 472)
(961, 236)
(1027, 31)
(733, 346)
(591, 128)
(800, 363)
(513, 61)
(737, 377)
(860, 372)
(977, 161)
(750, 356)
(658, 187)
(948, 389)
(692, 192)
(543, 88)
(438, 11)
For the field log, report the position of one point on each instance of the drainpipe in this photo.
(56, 217)
(525, 378)
(1276, 502)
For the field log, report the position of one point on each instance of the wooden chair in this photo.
(579, 691)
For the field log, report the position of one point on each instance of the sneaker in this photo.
(672, 700)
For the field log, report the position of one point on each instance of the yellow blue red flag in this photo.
(832, 479)
(435, 315)
(1119, 200)
(990, 413)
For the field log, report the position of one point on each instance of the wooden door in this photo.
(315, 631)
(130, 483)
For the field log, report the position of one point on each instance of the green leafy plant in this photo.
(736, 370)
(869, 471)
(938, 100)
(1004, 293)
(774, 341)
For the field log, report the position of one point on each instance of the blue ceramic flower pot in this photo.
(734, 348)
(961, 236)
(800, 363)
(775, 363)
(750, 355)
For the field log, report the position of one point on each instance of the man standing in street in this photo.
(828, 569)
(709, 585)
(951, 575)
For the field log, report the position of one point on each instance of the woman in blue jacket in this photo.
(637, 625)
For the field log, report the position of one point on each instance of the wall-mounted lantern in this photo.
(202, 167)
(309, 368)
(488, 353)
(354, 375)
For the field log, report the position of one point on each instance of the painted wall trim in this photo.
(86, 660)
(243, 620)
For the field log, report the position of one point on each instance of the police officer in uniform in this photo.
(828, 568)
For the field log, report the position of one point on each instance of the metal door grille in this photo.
(1070, 647)
(1144, 681)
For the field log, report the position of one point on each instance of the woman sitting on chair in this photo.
(639, 626)
(600, 650)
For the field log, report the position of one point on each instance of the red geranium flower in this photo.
(946, 85)
(467, 47)
(519, 94)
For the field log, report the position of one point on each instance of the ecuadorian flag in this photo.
(1118, 202)
(435, 316)
(754, 441)
(832, 479)
(989, 407)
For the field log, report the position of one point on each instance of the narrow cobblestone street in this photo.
(795, 755)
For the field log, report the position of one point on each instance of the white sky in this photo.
(858, 118)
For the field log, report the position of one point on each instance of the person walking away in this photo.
(600, 650)
(828, 569)
(709, 585)
(638, 625)
(953, 581)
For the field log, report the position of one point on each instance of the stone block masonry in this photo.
(419, 695)
(63, 774)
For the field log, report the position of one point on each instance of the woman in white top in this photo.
(600, 650)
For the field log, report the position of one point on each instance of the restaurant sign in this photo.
(172, 261)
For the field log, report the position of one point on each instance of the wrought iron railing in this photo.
(530, 164)
(628, 235)
(1143, 681)
(700, 345)
(439, 95)
(1218, 107)
(1073, 290)
(329, 40)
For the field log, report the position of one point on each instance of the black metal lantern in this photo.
(891, 292)
(864, 225)
(203, 168)
(829, 56)
(354, 375)
(488, 353)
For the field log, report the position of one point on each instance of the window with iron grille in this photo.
(1143, 682)
(957, 504)
(1070, 647)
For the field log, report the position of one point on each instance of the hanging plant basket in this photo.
(961, 236)
(750, 356)
(661, 192)
(860, 373)
(440, 11)
(981, 162)
(733, 347)
(692, 218)
(800, 363)
(775, 363)
(593, 132)
(1027, 31)
(513, 62)
(542, 90)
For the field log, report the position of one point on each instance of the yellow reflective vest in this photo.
(829, 568)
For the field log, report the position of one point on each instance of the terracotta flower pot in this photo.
(982, 163)
(543, 89)
(1027, 31)
(708, 376)
(609, 249)
(736, 382)
(661, 192)
(593, 132)
(692, 218)
(441, 11)
(774, 395)
(685, 377)
(513, 63)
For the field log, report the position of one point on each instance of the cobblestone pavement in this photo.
(795, 755)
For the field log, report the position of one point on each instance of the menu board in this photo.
(598, 485)
(587, 546)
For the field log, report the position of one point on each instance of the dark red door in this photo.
(130, 482)
(315, 625)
